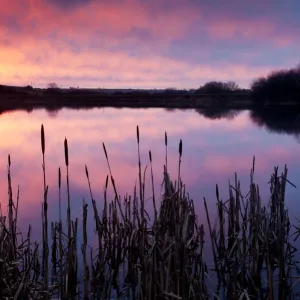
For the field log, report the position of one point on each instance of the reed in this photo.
(68, 188)
(161, 257)
(60, 238)
(45, 219)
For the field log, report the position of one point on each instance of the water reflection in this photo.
(169, 109)
(283, 120)
(213, 149)
(52, 113)
(218, 113)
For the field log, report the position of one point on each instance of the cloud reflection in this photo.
(212, 151)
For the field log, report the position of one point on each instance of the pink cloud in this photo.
(140, 71)
(109, 19)
(115, 20)
(225, 28)
(47, 43)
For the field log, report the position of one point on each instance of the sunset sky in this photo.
(144, 43)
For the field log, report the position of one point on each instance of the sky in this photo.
(144, 43)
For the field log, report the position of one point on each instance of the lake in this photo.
(216, 144)
(214, 147)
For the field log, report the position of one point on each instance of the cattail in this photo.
(217, 191)
(166, 139)
(112, 181)
(153, 194)
(45, 217)
(43, 139)
(139, 162)
(9, 161)
(66, 153)
(106, 182)
(59, 178)
(138, 134)
(180, 148)
(86, 172)
(166, 144)
(105, 152)
(59, 198)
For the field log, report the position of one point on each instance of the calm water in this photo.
(213, 149)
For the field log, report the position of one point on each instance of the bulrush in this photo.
(155, 254)
(45, 219)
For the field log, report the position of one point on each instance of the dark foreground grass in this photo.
(161, 257)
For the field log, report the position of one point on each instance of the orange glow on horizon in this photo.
(127, 44)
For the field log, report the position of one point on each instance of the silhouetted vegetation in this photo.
(218, 87)
(279, 87)
(15, 89)
(158, 254)
(173, 90)
(53, 85)
(51, 91)
(29, 87)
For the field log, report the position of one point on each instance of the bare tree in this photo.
(52, 85)
(231, 85)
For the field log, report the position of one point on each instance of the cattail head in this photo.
(166, 139)
(150, 156)
(59, 178)
(138, 134)
(106, 182)
(104, 148)
(86, 172)
(180, 148)
(43, 139)
(112, 181)
(217, 192)
(9, 162)
(66, 152)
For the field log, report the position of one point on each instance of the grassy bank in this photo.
(23, 99)
(157, 254)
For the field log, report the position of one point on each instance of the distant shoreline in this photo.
(14, 98)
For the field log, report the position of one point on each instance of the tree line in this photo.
(278, 87)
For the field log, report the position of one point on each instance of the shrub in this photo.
(278, 87)
(218, 87)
